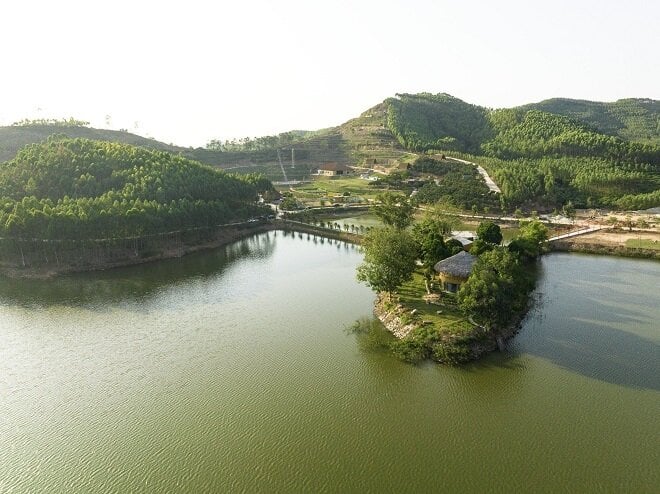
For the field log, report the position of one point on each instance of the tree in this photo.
(480, 246)
(489, 232)
(393, 209)
(428, 234)
(454, 246)
(289, 203)
(568, 210)
(491, 293)
(534, 230)
(529, 241)
(389, 259)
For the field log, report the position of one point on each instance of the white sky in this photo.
(188, 71)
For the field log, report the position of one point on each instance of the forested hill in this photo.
(439, 121)
(633, 119)
(541, 155)
(15, 137)
(538, 159)
(319, 146)
(79, 188)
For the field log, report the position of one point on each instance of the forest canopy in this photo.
(538, 159)
(77, 188)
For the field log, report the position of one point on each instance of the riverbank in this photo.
(33, 258)
(431, 326)
(643, 244)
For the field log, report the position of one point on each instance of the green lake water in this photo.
(233, 371)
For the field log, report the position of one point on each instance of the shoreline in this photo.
(172, 249)
(604, 249)
(177, 247)
(474, 344)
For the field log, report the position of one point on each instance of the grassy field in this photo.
(333, 190)
(450, 320)
(643, 243)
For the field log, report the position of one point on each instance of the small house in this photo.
(334, 170)
(466, 238)
(455, 270)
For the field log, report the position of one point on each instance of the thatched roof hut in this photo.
(458, 266)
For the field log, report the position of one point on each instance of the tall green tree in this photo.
(393, 209)
(429, 235)
(492, 292)
(528, 244)
(489, 232)
(389, 259)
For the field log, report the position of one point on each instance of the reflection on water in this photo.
(598, 316)
(242, 369)
(133, 282)
(371, 335)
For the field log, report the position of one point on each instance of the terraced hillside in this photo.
(542, 156)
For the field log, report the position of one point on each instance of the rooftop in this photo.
(459, 265)
(333, 167)
(464, 241)
(464, 234)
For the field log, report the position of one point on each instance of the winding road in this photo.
(489, 181)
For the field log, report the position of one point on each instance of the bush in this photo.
(455, 352)
(410, 350)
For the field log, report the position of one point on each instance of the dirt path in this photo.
(489, 181)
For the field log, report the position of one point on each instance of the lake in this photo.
(233, 370)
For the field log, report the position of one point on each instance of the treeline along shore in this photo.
(43, 258)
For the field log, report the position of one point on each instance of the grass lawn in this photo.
(451, 320)
(643, 243)
(354, 185)
(326, 188)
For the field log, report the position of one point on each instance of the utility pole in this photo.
(293, 158)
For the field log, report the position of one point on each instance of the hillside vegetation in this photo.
(427, 121)
(15, 137)
(539, 159)
(78, 188)
(541, 155)
(632, 119)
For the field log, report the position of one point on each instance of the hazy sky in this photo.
(188, 71)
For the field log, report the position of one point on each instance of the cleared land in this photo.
(343, 190)
(451, 320)
(634, 239)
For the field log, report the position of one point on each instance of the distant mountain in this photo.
(538, 158)
(14, 138)
(542, 154)
(421, 122)
(440, 121)
(633, 119)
